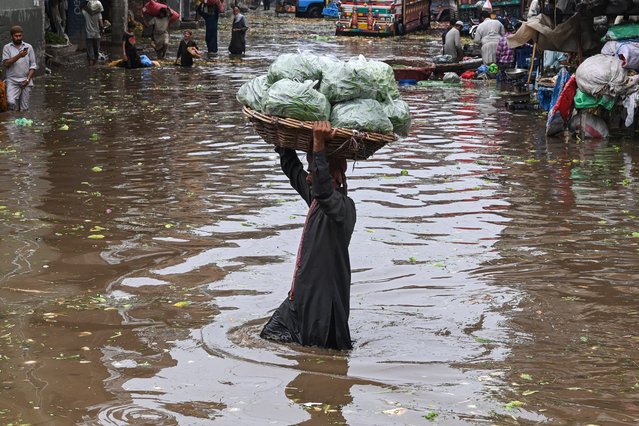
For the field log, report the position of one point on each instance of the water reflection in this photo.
(145, 246)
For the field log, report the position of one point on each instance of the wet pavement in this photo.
(144, 247)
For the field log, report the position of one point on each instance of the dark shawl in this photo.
(317, 309)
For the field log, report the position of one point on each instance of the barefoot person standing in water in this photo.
(316, 311)
(238, 33)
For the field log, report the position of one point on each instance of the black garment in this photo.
(238, 37)
(267, 4)
(317, 309)
(186, 60)
(211, 17)
(133, 59)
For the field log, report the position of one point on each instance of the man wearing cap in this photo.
(18, 59)
(452, 43)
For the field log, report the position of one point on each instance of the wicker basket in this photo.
(295, 134)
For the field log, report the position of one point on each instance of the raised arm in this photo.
(8, 60)
(333, 203)
(294, 170)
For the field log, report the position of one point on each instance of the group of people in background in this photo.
(19, 60)
(210, 14)
(491, 34)
(187, 50)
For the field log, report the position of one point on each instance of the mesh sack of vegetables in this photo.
(252, 92)
(384, 78)
(361, 114)
(295, 66)
(343, 81)
(398, 113)
(291, 99)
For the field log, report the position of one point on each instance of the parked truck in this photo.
(382, 17)
(309, 8)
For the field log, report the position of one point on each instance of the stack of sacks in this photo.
(603, 79)
(621, 41)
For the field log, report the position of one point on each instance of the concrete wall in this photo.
(29, 14)
(119, 12)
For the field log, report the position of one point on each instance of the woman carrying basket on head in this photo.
(316, 311)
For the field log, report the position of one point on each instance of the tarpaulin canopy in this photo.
(564, 37)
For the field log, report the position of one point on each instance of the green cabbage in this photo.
(295, 66)
(383, 78)
(292, 99)
(398, 113)
(252, 92)
(361, 114)
(343, 81)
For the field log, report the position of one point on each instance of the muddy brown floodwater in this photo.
(494, 271)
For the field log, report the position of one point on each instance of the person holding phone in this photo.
(20, 65)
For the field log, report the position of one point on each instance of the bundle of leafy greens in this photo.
(357, 94)
(252, 92)
(344, 81)
(398, 113)
(295, 66)
(383, 78)
(288, 98)
(361, 114)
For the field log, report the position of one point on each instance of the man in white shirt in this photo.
(488, 34)
(93, 25)
(452, 42)
(19, 62)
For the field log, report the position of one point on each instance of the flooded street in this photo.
(144, 248)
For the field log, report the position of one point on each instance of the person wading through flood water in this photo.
(316, 311)
(238, 33)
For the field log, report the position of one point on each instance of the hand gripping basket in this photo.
(295, 134)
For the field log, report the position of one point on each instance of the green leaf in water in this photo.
(525, 376)
(182, 304)
(514, 404)
(96, 169)
(431, 416)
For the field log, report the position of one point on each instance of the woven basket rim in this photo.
(340, 132)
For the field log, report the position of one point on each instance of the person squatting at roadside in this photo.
(18, 59)
(130, 56)
(316, 311)
(452, 42)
